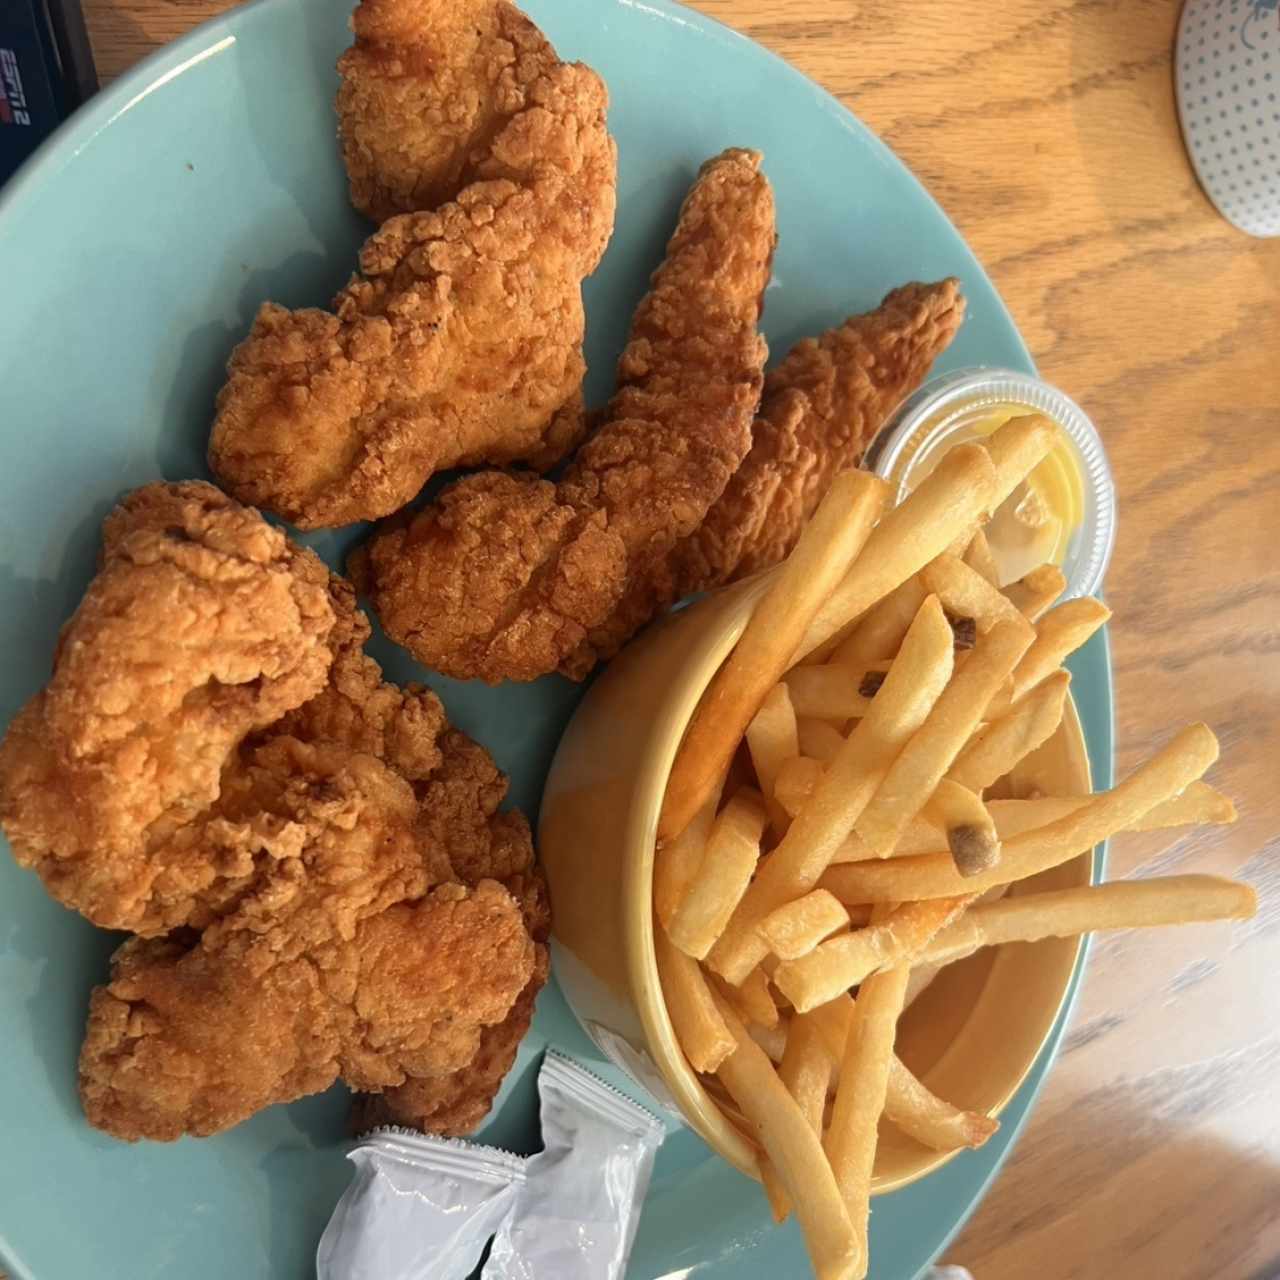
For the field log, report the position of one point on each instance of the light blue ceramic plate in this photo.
(133, 253)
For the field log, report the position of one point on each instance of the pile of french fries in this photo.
(885, 686)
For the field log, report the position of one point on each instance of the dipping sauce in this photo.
(1036, 522)
(1063, 513)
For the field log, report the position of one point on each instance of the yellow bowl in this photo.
(972, 1035)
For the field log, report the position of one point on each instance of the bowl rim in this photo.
(696, 1105)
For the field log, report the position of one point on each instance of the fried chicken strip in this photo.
(456, 1102)
(823, 405)
(459, 343)
(203, 625)
(347, 961)
(510, 577)
(357, 708)
(425, 88)
(216, 759)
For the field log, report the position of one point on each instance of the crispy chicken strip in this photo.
(459, 791)
(823, 405)
(456, 1102)
(215, 759)
(203, 625)
(510, 577)
(359, 709)
(425, 88)
(459, 343)
(347, 961)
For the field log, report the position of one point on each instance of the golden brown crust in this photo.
(555, 586)
(823, 405)
(459, 343)
(425, 88)
(204, 625)
(215, 755)
(456, 1103)
(499, 579)
(356, 707)
(268, 1009)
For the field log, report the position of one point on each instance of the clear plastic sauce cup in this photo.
(1065, 511)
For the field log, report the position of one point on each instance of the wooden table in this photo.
(1046, 129)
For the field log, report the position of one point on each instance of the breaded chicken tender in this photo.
(460, 340)
(346, 961)
(425, 88)
(511, 577)
(456, 1103)
(505, 577)
(203, 625)
(318, 868)
(823, 405)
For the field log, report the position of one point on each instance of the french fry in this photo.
(994, 750)
(807, 1069)
(772, 738)
(855, 849)
(1198, 805)
(879, 635)
(773, 1040)
(933, 1123)
(965, 593)
(979, 558)
(828, 546)
(950, 500)
(733, 849)
(827, 692)
(819, 739)
(923, 762)
(850, 1142)
(1061, 631)
(795, 1151)
(910, 689)
(752, 1000)
(1001, 701)
(1016, 448)
(1034, 593)
(1063, 913)
(840, 963)
(970, 830)
(795, 929)
(676, 864)
(909, 1103)
(797, 780)
(883, 684)
(1101, 815)
(699, 1028)
(775, 1192)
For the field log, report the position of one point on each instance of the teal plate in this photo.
(134, 251)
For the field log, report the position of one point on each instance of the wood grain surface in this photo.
(1047, 130)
